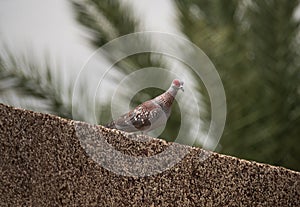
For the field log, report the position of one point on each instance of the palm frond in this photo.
(254, 49)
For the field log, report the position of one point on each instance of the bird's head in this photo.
(177, 84)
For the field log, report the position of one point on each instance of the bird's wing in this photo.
(138, 119)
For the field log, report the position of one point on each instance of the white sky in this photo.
(46, 27)
(50, 27)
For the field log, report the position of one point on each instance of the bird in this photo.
(149, 115)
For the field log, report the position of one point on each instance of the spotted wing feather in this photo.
(139, 119)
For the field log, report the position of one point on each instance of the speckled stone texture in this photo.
(44, 163)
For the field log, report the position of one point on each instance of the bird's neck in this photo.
(166, 99)
(172, 91)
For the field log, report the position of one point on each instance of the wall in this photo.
(48, 161)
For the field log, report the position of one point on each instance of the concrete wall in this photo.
(49, 161)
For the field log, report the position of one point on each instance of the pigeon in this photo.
(149, 115)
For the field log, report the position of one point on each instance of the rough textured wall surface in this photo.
(43, 163)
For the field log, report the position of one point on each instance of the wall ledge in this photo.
(44, 163)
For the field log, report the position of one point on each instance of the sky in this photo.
(46, 28)
(49, 27)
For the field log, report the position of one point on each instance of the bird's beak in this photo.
(181, 87)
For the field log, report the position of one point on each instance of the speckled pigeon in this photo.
(150, 114)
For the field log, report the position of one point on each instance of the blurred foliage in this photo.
(23, 78)
(105, 19)
(35, 85)
(255, 49)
